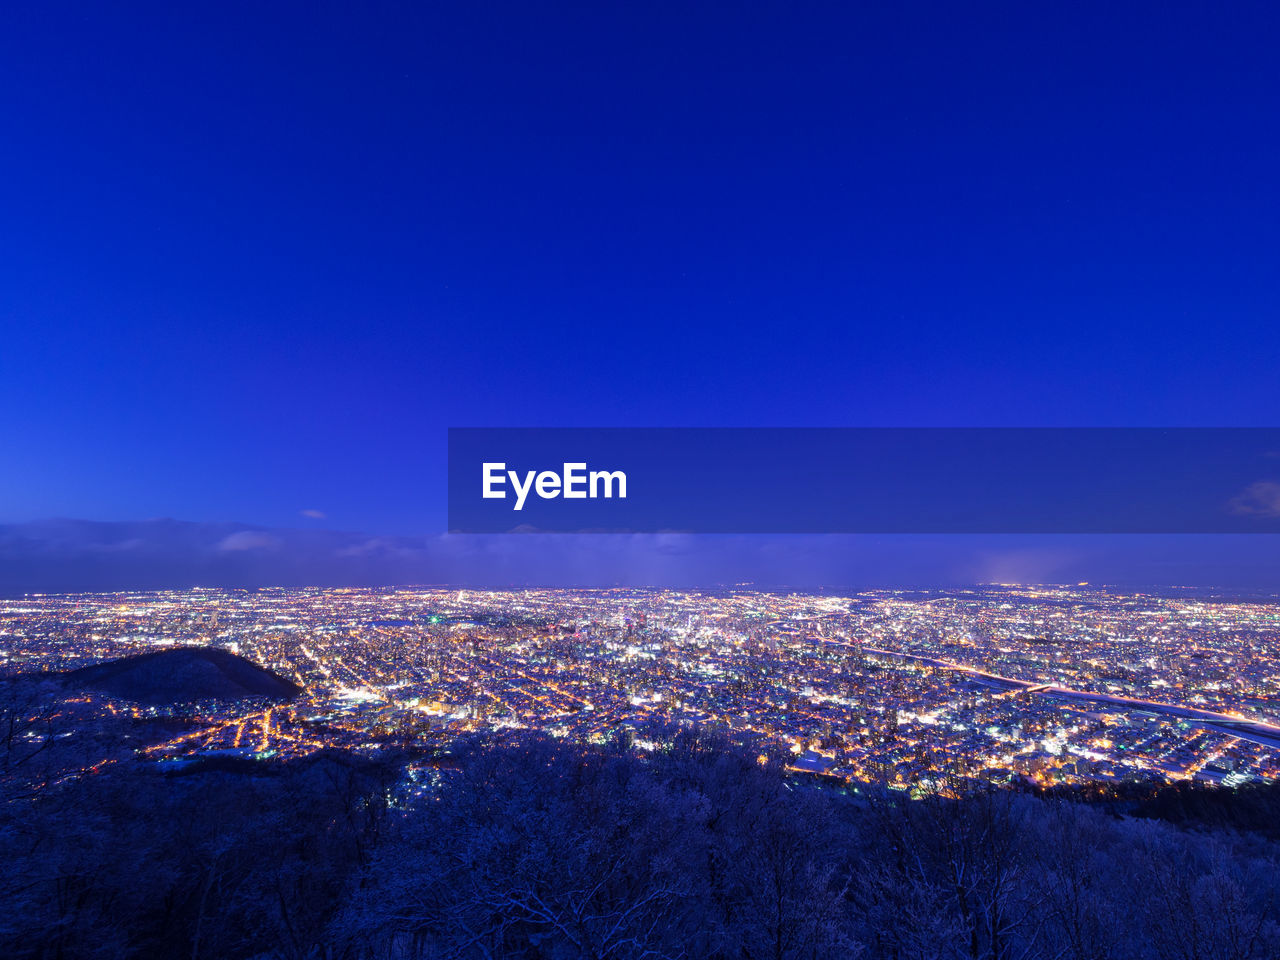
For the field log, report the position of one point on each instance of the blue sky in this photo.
(257, 259)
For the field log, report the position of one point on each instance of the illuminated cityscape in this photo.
(640, 482)
(1000, 684)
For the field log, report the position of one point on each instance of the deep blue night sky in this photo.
(256, 258)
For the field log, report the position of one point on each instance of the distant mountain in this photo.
(181, 675)
(61, 555)
(85, 555)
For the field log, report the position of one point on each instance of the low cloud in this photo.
(1260, 499)
(314, 514)
(249, 540)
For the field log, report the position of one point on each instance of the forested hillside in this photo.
(527, 847)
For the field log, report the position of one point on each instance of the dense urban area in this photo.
(1047, 685)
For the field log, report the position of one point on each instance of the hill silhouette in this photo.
(180, 675)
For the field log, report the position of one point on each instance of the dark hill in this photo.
(182, 675)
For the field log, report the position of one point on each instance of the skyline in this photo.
(917, 690)
(60, 556)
